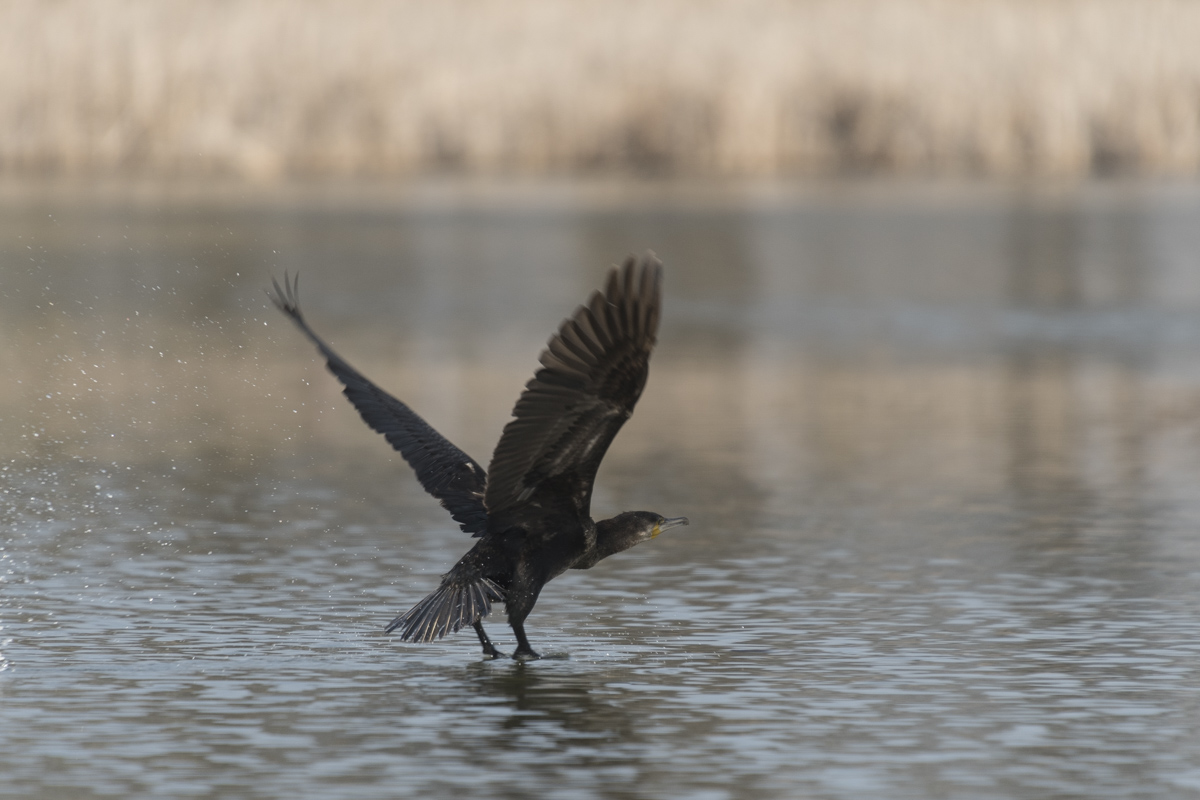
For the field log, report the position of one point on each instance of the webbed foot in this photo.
(489, 649)
(524, 651)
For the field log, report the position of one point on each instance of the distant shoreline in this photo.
(572, 195)
(266, 91)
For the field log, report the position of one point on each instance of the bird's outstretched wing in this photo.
(444, 471)
(593, 372)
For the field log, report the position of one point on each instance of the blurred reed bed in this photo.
(265, 89)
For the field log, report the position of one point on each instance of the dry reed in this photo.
(264, 89)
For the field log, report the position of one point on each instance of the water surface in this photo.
(940, 450)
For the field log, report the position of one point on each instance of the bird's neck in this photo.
(610, 538)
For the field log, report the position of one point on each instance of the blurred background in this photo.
(927, 385)
(263, 90)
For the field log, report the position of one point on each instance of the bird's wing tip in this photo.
(287, 297)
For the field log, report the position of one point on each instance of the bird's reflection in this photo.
(569, 701)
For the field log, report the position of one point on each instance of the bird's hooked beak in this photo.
(668, 523)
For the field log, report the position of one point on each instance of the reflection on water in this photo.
(940, 451)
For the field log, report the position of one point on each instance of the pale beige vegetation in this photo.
(263, 89)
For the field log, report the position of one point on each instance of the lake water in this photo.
(940, 448)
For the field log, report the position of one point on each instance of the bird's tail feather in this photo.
(455, 604)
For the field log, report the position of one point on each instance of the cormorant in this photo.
(531, 509)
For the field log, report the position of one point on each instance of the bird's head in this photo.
(633, 527)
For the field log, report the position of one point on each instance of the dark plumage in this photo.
(531, 510)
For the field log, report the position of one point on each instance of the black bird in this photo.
(531, 510)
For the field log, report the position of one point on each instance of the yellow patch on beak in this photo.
(657, 530)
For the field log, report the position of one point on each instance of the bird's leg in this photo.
(489, 649)
(524, 652)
